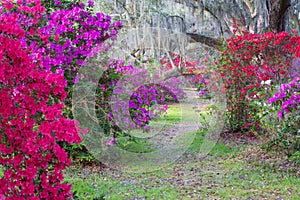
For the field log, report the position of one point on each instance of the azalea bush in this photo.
(30, 110)
(127, 97)
(58, 49)
(194, 71)
(247, 63)
(75, 34)
(286, 102)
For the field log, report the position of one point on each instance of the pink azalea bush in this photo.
(31, 119)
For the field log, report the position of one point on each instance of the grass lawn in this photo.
(223, 174)
(227, 172)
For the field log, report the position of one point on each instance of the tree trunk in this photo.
(277, 14)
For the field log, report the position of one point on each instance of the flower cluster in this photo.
(31, 121)
(249, 60)
(153, 94)
(76, 34)
(68, 38)
(127, 98)
(288, 96)
(179, 62)
(111, 142)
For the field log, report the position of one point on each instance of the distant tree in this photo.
(207, 21)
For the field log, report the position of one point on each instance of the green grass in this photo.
(219, 149)
(180, 113)
(174, 113)
(138, 146)
(1, 172)
(256, 182)
(94, 186)
(222, 174)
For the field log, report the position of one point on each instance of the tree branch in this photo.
(209, 41)
(171, 74)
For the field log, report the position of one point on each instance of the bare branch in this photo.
(209, 41)
(171, 74)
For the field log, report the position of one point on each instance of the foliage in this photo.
(206, 115)
(247, 62)
(30, 111)
(121, 86)
(189, 178)
(287, 104)
(52, 5)
(193, 71)
(75, 34)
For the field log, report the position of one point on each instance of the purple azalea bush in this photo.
(288, 97)
(287, 103)
(130, 99)
(75, 35)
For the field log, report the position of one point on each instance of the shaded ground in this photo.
(182, 118)
(234, 169)
(223, 174)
